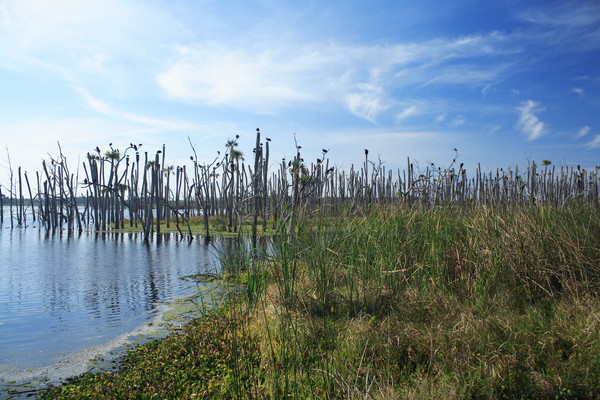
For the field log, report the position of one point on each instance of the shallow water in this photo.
(64, 299)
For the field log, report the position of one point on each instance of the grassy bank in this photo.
(444, 303)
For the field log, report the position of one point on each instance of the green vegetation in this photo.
(196, 363)
(195, 226)
(438, 303)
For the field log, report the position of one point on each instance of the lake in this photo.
(64, 300)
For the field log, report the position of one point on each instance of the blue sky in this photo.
(504, 82)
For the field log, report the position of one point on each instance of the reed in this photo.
(447, 303)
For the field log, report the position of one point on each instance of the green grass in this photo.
(217, 227)
(447, 303)
(425, 304)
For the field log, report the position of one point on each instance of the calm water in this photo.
(61, 296)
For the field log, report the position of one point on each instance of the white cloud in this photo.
(133, 46)
(467, 74)
(111, 44)
(216, 74)
(495, 129)
(566, 26)
(125, 41)
(564, 15)
(106, 109)
(367, 102)
(486, 89)
(265, 77)
(407, 112)
(595, 143)
(583, 131)
(579, 91)
(458, 121)
(62, 25)
(529, 123)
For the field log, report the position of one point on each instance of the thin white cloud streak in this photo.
(567, 14)
(595, 143)
(407, 113)
(529, 123)
(569, 25)
(579, 91)
(107, 110)
(468, 74)
(458, 121)
(583, 131)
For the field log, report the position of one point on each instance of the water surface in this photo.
(61, 296)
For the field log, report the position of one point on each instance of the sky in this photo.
(503, 82)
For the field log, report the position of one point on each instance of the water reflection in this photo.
(61, 294)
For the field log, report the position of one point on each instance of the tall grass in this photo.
(399, 303)
(444, 303)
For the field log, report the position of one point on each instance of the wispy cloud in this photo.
(583, 131)
(440, 118)
(579, 91)
(109, 111)
(133, 63)
(34, 25)
(458, 121)
(407, 113)
(566, 26)
(262, 72)
(268, 77)
(569, 14)
(110, 43)
(367, 102)
(468, 74)
(529, 123)
(218, 74)
(595, 143)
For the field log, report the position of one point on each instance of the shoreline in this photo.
(16, 382)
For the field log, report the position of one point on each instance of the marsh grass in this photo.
(443, 303)
(398, 303)
(196, 227)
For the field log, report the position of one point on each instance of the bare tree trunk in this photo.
(255, 186)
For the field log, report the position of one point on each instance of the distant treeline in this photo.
(117, 187)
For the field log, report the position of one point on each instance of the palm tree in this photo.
(234, 157)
